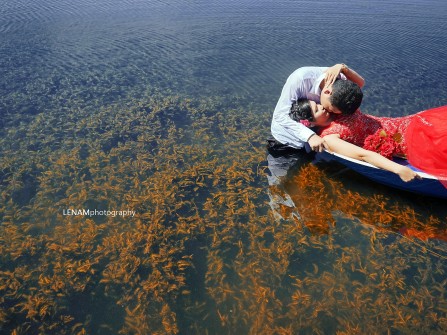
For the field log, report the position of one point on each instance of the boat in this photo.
(427, 185)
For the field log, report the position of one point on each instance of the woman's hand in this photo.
(407, 174)
(332, 73)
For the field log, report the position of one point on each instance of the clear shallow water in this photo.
(163, 108)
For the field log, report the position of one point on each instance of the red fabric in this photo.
(421, 137)
(357, 127)
(427, 134)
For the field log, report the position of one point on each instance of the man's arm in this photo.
(333, 72)
(284, 129)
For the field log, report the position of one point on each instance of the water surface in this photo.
(162, 108)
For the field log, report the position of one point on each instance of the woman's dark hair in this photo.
(301, 110)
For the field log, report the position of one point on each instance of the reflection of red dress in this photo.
(421, 137)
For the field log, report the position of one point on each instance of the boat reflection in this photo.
(316, 193)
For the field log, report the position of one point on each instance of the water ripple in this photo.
(249, 48)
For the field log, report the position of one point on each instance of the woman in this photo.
(421, 137)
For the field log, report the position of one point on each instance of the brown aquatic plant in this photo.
(204, 253)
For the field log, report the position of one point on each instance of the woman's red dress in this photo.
(421, 137)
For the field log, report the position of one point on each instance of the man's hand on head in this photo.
(332, 74)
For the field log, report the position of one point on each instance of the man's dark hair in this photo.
(346, 96)
(301, 110)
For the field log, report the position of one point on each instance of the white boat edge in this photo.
(356, 161)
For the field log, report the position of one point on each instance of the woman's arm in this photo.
(336, 144)
(333, 72)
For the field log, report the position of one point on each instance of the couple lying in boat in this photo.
(329, 99)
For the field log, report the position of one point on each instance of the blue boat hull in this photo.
(428, 185)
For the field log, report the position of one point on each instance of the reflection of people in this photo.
(319, 84)
(281, 161)
(280, 201)
(320, 199)
(421, 137)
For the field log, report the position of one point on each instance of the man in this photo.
(319, 84)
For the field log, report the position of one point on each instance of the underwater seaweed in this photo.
(203, 253)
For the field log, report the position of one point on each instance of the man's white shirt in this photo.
(302, 83)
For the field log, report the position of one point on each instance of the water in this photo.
(162, 108)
